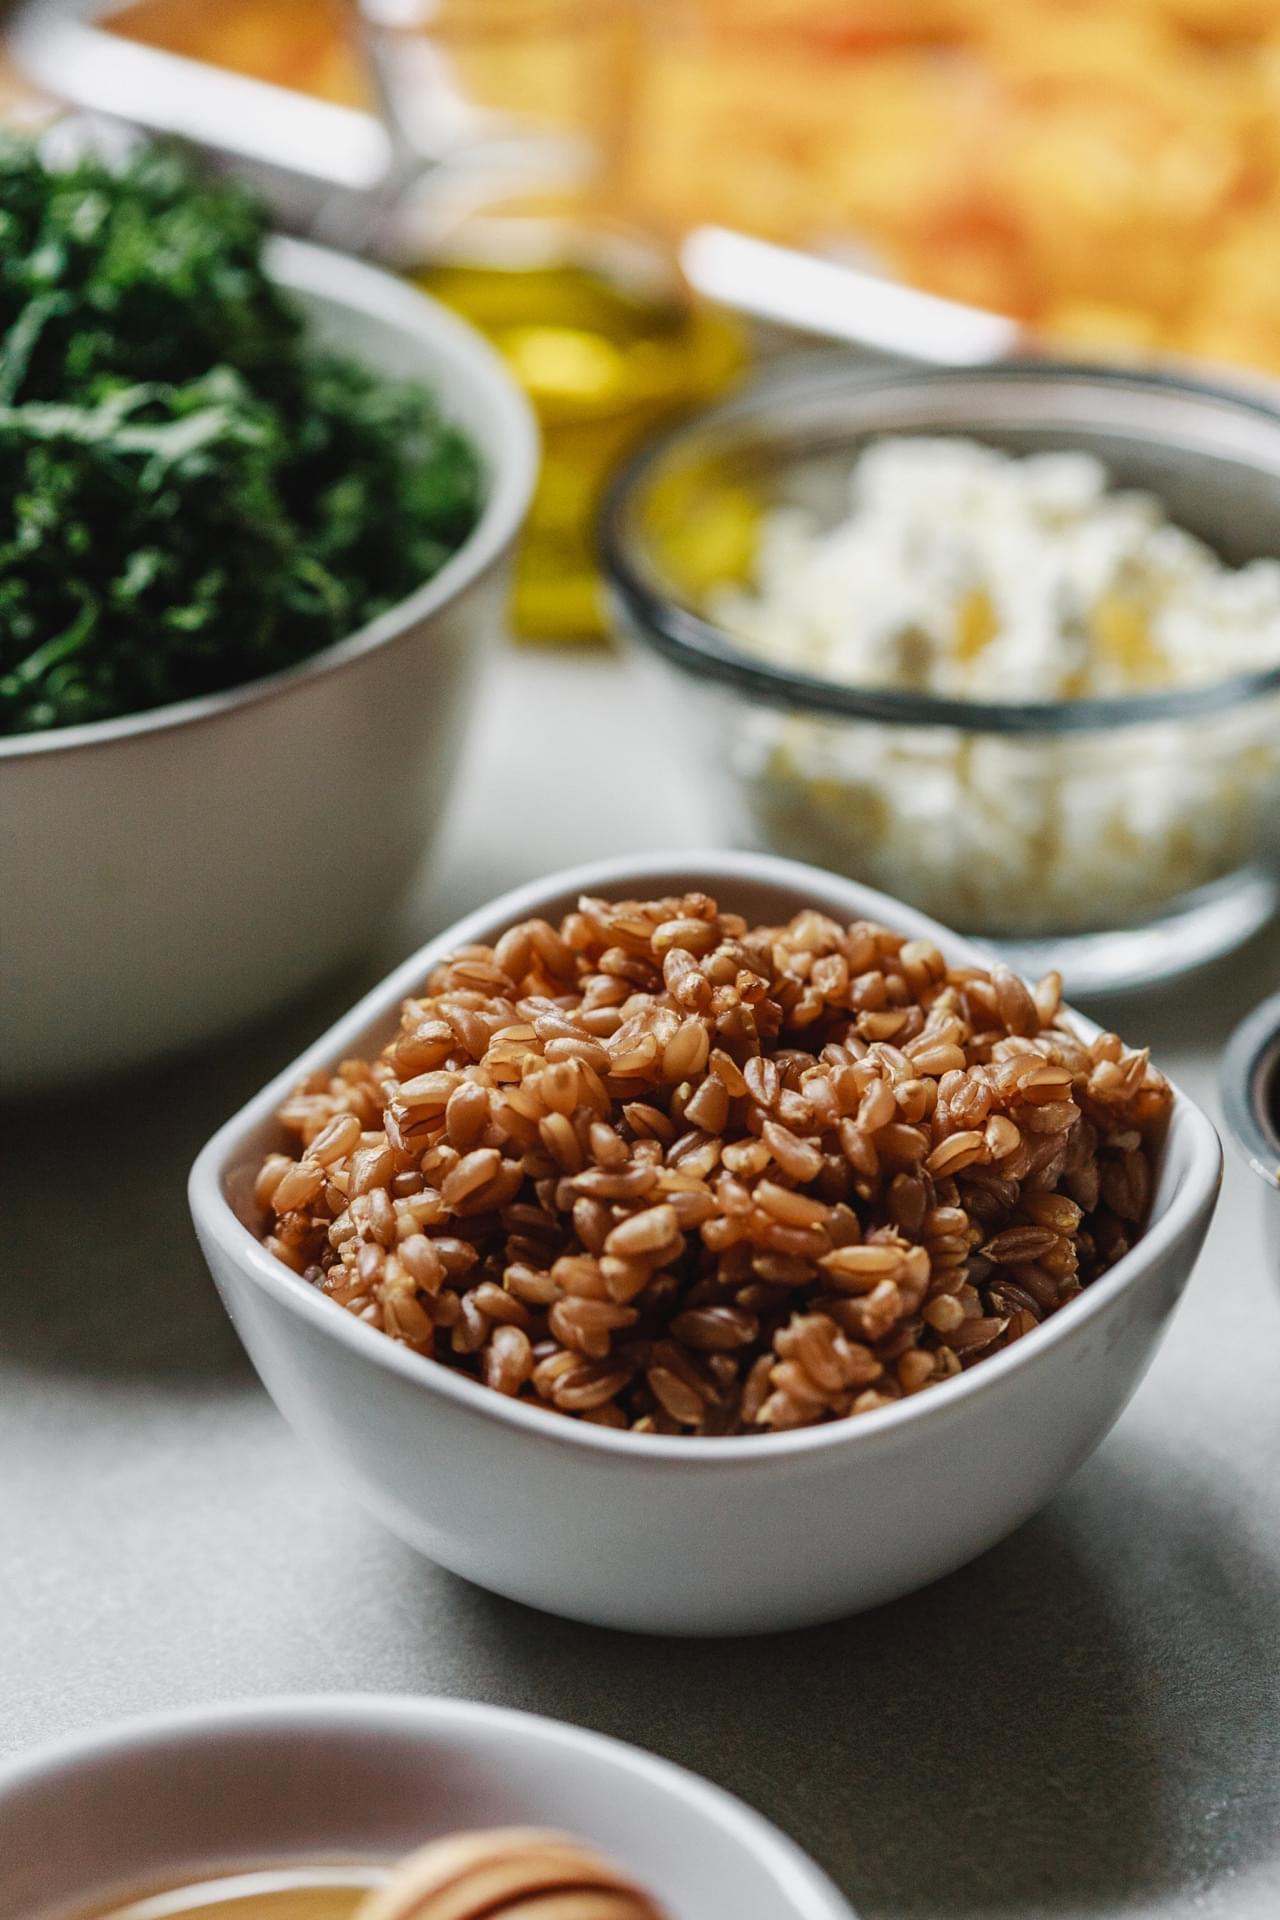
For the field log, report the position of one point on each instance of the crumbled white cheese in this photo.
(963, 572)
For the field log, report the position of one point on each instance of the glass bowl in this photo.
(1121, 840)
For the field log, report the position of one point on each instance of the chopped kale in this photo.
(191, 493)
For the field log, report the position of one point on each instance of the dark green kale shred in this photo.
(191, 494)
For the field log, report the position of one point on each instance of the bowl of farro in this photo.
(1250, 1087)
(236, 1810)
(676, 1243)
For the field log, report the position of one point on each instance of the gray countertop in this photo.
(1085, 1722)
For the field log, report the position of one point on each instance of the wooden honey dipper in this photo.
(507, 1873)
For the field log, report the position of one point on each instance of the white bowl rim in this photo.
(815, 1896)
(304, 268)
(943, 1402)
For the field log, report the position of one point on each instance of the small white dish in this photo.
(104, 1816)
(691, 1535)
(159, 871)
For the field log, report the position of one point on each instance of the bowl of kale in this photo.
(256, 505)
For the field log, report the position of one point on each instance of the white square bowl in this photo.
(695, 1536)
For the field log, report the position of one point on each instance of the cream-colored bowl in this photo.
(291, 1782)
(168, 875)
(691, 1535)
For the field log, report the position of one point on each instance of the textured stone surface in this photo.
(1086, 1722)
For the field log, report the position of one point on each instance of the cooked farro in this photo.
(663, 1171)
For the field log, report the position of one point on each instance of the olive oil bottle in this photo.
(526, 106)
(607, 345)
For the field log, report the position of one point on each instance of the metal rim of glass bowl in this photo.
(698, 646)
(1250, 1087)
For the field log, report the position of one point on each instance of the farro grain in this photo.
(662, 1171)
(335, 1140)
(299, 1184)
(953, 1155)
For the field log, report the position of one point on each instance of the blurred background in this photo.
(1105, 171)
(646, 204)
